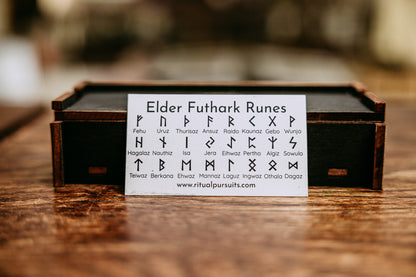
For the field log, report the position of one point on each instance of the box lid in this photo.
(325, 102)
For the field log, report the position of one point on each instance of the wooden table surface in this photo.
(83, 230)
(14, 117)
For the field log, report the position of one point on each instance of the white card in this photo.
(216, 144)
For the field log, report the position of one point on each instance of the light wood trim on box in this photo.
(379, 142)
(64, 101)
(167, 83)
(57, 153)
(379, 105)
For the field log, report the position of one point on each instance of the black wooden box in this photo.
(346, 129)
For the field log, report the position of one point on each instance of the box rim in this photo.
(369, 99)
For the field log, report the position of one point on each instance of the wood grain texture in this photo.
(89, 230)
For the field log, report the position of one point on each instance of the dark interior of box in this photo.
(317, 99)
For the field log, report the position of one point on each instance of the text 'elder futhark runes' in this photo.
(248, 145)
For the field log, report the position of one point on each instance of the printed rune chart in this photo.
(216, 144)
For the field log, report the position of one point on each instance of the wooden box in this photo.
(346, 130)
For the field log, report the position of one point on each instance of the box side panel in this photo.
(94, 152)
(341, 154)
(338, 154)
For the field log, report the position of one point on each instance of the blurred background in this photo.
(48, 46)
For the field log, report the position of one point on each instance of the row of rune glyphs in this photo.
(211, 165)
(210, 142)
(210, 120)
